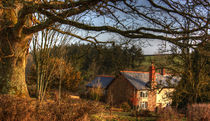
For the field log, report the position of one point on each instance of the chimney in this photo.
(152, 76)
(162, 71)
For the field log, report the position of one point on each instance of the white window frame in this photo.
(144, 105)
(143, 94)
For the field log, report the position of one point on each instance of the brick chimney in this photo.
(152, 76)
(162, 71)
(152, 92)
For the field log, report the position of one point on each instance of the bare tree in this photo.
(149, 19)
(191, 63)
(41, 51)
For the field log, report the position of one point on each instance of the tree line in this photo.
(92, 60)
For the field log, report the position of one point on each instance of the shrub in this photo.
(57, 69)
(169, 114)
(198, 112)
(125, 106)
(13, 108)
(97, 92)
(143, 113)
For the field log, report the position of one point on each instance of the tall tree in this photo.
(192, 65)
(150, 19)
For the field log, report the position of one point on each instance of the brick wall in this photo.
(119, 91)
(152, 100)
(152, 91)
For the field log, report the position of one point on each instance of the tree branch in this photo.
(52, 18)
(88, 39)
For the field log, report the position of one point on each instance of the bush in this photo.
(13, 108)
(125, 106)
(198, 112)
(56, 70)
(143, 113)
(169, 114)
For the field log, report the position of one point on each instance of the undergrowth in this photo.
(14, 108)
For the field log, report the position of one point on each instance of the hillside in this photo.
(156, 59)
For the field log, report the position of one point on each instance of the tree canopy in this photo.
(94, 60)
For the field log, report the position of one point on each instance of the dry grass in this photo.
(23, 109)
(198, 112)
(169, 114)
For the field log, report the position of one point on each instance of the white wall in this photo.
(162, 97)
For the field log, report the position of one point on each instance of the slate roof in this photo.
(166, 80)
(140, 80)
(103, 81)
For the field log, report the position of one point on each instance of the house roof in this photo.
(166, 80)
(137, 79)
(140, 80)
(102, 81)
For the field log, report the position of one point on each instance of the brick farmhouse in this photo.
(145, 90)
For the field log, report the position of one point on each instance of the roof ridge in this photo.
(104, 76)
(135, 71)
(167, 74)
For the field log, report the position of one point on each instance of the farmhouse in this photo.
(145, 90)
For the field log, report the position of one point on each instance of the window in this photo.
(143, 94)
(144, 105)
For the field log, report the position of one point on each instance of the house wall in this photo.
(141, 99)
(150, 99)
(119, 91)
(156, 98)
(162, 97)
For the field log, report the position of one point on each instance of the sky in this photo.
(152, 49)
(156, 47)
(149, 47)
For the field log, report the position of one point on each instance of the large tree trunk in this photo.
(12, 64)
(13, 49)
